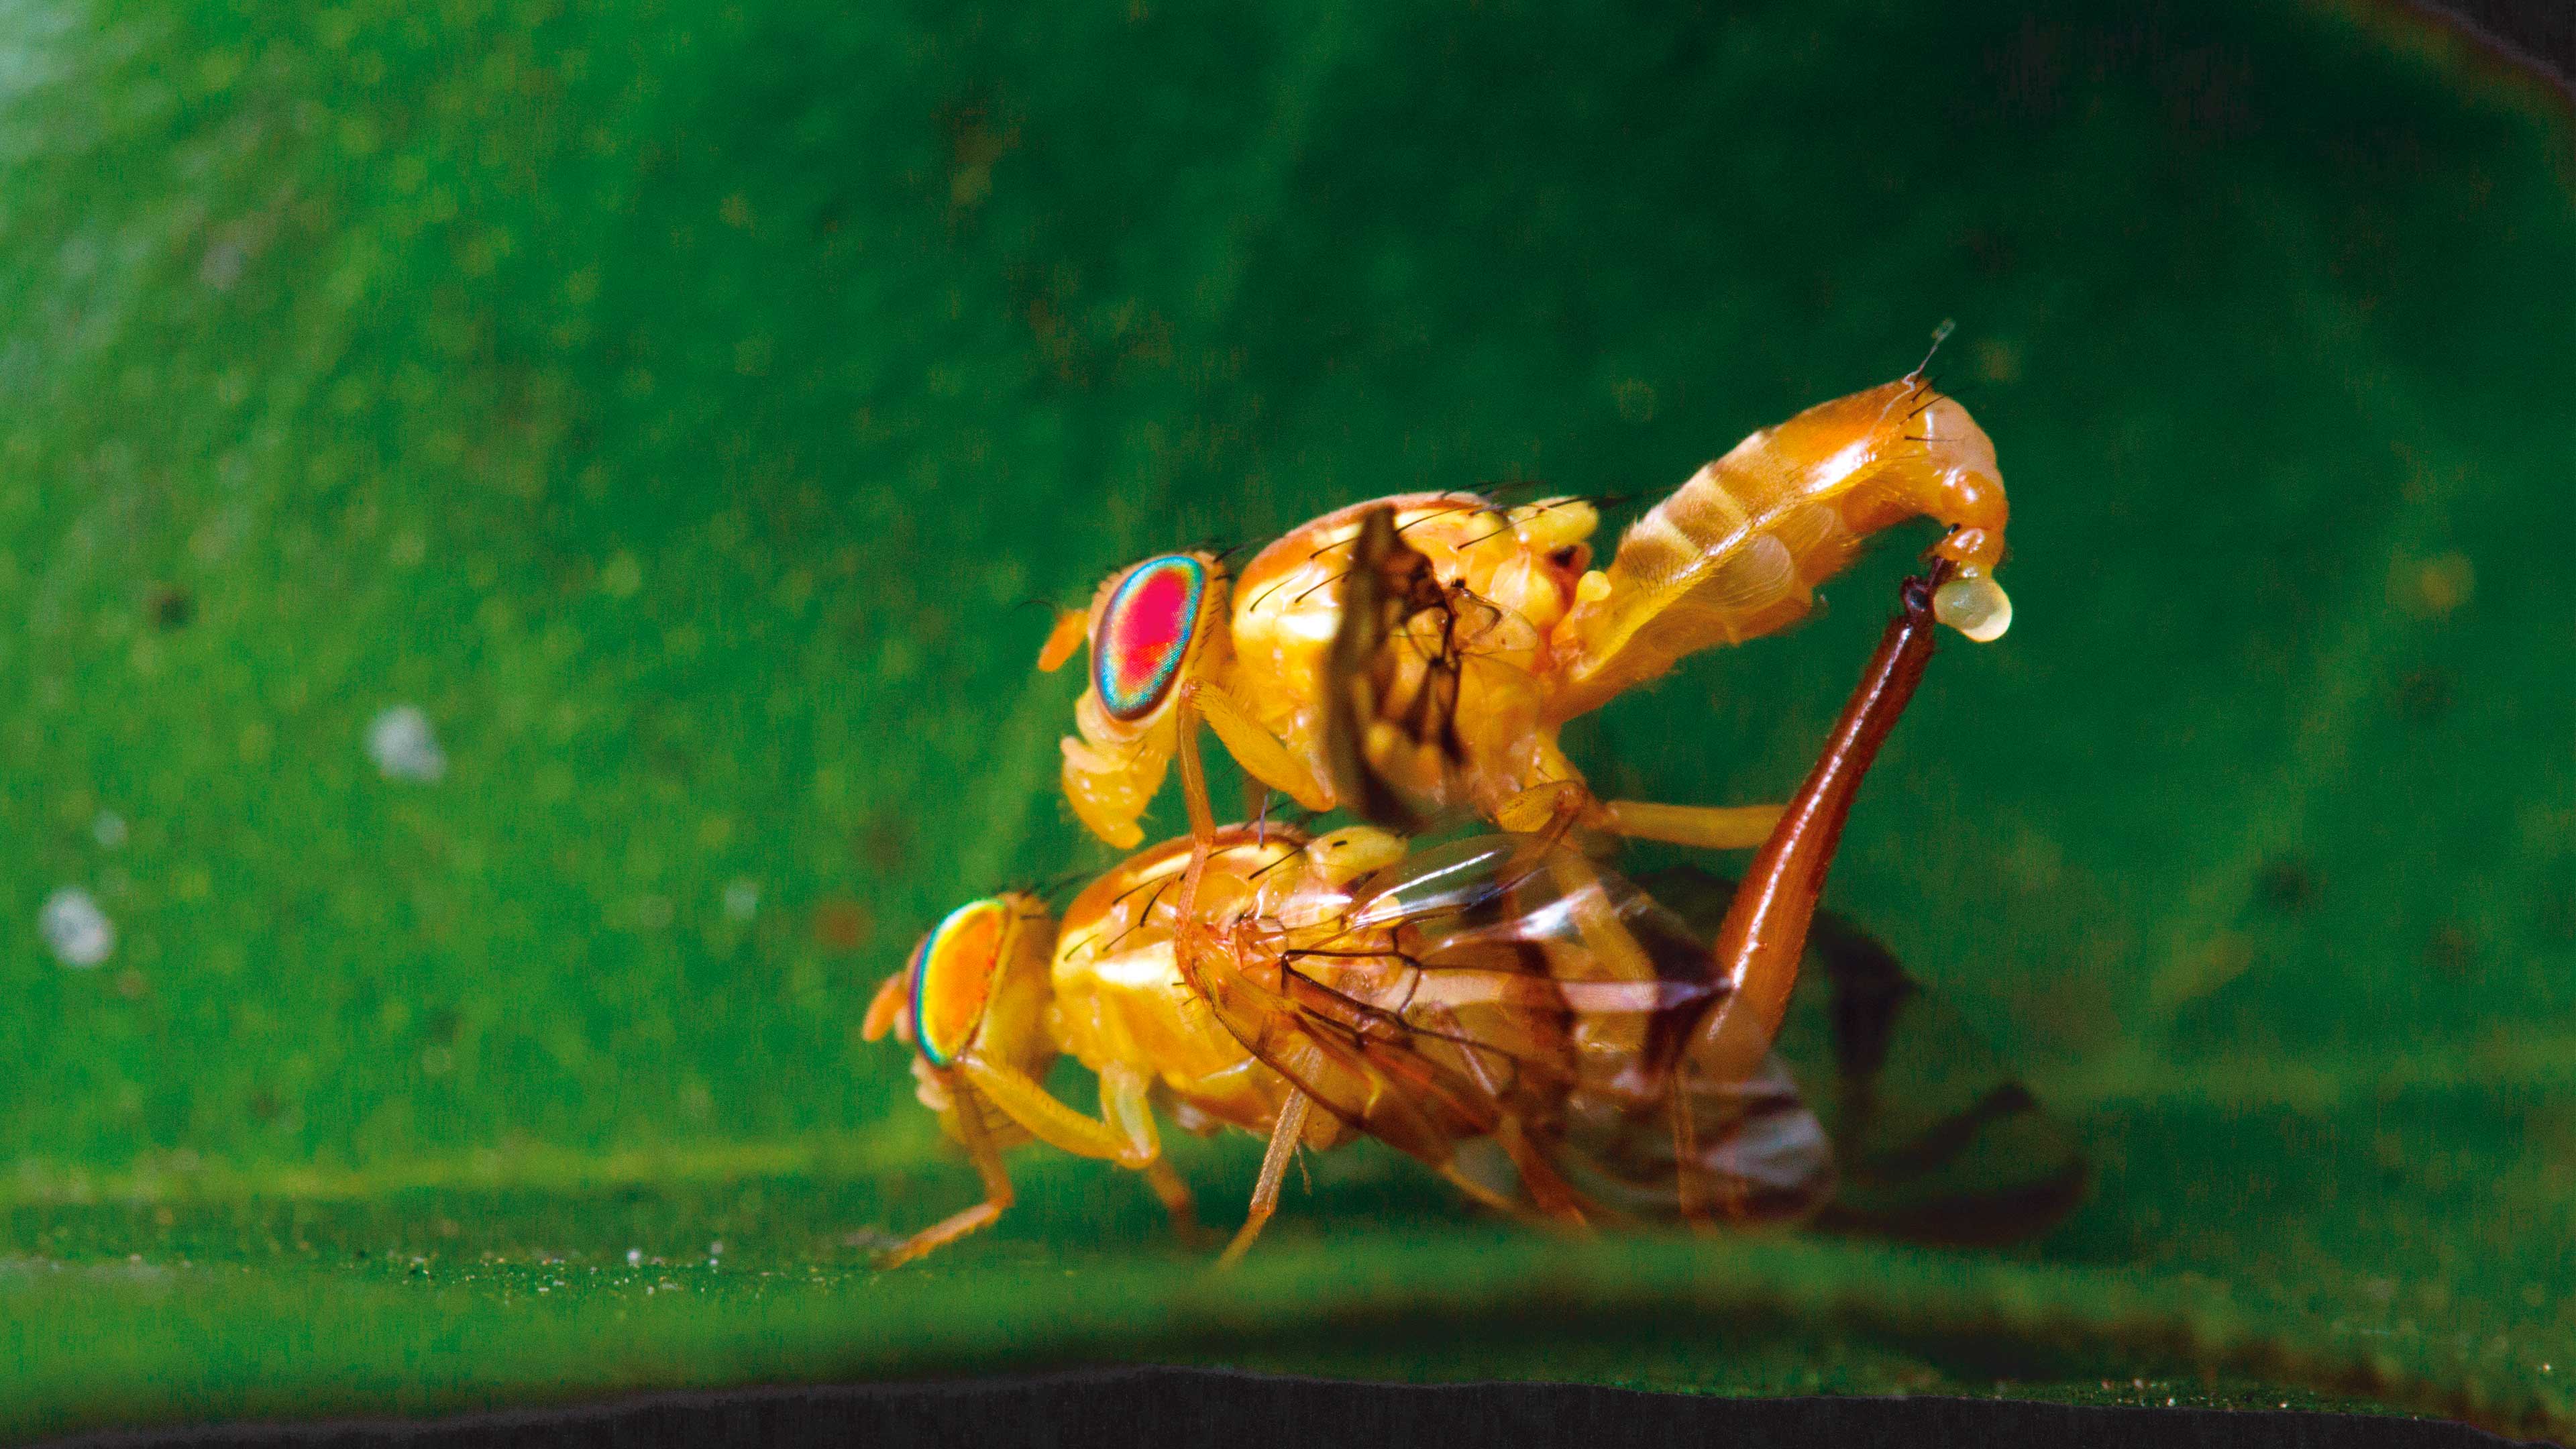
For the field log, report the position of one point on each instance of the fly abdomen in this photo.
(1737, 551)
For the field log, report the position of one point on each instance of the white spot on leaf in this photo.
(404, 746)
(78, 931)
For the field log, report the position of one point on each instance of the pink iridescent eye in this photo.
(1144, 634)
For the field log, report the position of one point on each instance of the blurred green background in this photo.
(674, 405)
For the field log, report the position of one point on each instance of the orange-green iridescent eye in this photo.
(1144, 634)
(952, 975)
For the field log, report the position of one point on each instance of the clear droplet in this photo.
(742, 899)
(1977, 607)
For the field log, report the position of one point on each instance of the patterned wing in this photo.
(1936, 1139)
(1505, 1010)
(1426, 680)
(1375, 696)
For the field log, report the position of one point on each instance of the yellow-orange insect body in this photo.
(1514, 1016)
(1488, 1009)
(1414, 657)
(1737, 551)
(1120, 997)
(1105, 990)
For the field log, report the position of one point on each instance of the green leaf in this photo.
(676, 407)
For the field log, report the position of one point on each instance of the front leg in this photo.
(967, 1116)
(1124, 1133)
(1129, 1143)
(1262, 754)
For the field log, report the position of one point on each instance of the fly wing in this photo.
(1504, 987)
(1935, 1138)
(1388, 584)
(1430, 694)
(1743, 1152)
(1332, 1016)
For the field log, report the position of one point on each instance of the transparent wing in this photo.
(1504, 990)
(1935, 1138)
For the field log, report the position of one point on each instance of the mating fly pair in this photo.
(1504, 1009)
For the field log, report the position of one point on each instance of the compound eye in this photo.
(1144, 634)
(952, 977)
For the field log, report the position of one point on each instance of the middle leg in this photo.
(1706, 827)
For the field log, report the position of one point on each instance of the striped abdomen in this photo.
(1737, 551)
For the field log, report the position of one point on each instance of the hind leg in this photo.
(1708, 827)
(1274, 1164)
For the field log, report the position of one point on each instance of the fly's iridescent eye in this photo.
(952, 977)
(1144, 634)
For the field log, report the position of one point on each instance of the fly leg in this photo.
(968, 1116)
(1265, 1193)
(1708, 827)
(1177, 1201)
(1194, 790)
(1552, 1198)
(1190, 941)
(1124, 1132)
(1548, 806)
(1764, 935)
(1256, 749)
(1125, 1102)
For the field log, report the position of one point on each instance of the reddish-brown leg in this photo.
(1274, 1163)
(1765, 932)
